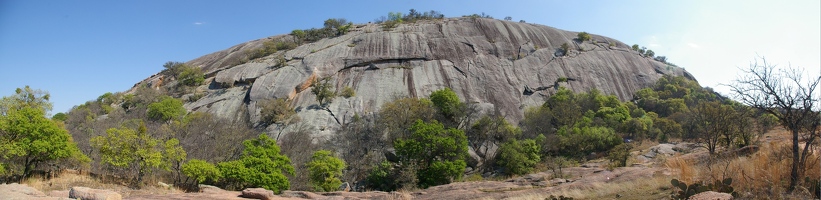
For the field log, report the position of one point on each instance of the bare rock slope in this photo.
(499, 65)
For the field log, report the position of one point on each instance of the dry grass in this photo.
(67, 179)
(762, 175)
(652, 188)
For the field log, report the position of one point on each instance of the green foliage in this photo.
(201, 171)
(107, 98)
(125, 148)
(583, 36)
(618, 155)
(60, 117)
(26, 97)
(561, 80)
(519, 157)
(446, 101)
(580, 141)
(325, 171)
(396, 117)
(635, 47)
(191, 76)
(348, 92)
(565, 48)
(649, 53)
(437, 152)
(275, 111)
(167, 109)
(323, 91)
(489, 132)
(299, 35)
(26, 135)
(687, 190)
(261, 165)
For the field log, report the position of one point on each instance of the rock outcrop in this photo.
(93, 194)
(500, 66)
(258, 193)
(16, 191)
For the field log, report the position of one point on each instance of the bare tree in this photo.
(784, 93)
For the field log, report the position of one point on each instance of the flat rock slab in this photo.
(16, 191)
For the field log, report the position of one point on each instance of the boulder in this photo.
(16, 191)
(258, 193)
(93, 194)
(710, 195)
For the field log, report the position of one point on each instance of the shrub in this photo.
(565, 48)
(635, 47)
(649, 53)
(519, 157)
(273, 111)
(348, 92)
(508, 18)
(562, 79)
(324, 171)
(168, 108)
(323, 91)
(261, 165)
(446, 101)
(581, 141)
(201, 171)
(191, 76)
(583, 36)
(437, 152)
(618, 155)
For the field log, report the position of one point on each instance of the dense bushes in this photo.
(519, 157)
(261, 165)
(325, 171)
(437, 152)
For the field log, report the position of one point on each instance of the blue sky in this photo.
(78, 50)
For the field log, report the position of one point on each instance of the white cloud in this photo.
(654, 45)
(199, 23)
(693, 45)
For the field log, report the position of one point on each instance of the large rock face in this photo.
(500, 65)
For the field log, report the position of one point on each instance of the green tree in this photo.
(565, 48)
(261, 165)
(519, 157)
(635, 47)
(323, 91)
(167, 109)
(201, 171)
(488, 133)
(60, 117)
(397, 117)
(191, 76)
(28, 137)
(438, 153)
(129, 149)
(649, 53)
(26, 97)
(299, 35)
(325, 170)
(446, 101)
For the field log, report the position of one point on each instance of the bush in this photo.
(324, 171)
(168, 108)
(274, 111)
(565, 48)
(323, 91)
(561, 80)
(437, 152)
(581, 141)
(261, 165)
(201, 171)
(583, 36)
(519, 157)
(191, 76)
(618, 155)
(446, 101)
(348, 92)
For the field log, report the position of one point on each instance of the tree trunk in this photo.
(795, 160)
